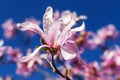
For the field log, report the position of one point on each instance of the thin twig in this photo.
(57, 71)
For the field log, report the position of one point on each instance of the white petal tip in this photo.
(49, 7)
(1, 42)
(81, 28)
(83, 17)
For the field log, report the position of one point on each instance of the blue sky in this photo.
(100, 13)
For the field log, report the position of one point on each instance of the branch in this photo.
(57, 71)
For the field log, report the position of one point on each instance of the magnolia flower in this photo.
(55, 33)
(94, 40)
(25, 68)
(13, 54)
(111, 61)
(9, 29)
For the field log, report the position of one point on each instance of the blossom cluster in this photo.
(61, 49)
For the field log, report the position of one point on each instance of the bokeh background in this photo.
(100, 13)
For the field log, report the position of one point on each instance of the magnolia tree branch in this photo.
(52, 64)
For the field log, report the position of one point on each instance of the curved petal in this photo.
(31, 27)
(30, 56)
(47, 18)
(67, 54)
(68, 22)
(66, 17)
(82, 27)
(69, 50)
(63, 37)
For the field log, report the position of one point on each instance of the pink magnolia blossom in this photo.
(13, 54)
(111, 62)
(93, 72)
(8, 78)
(25, 68)
(55, 33)
(102, 35)
(9, 28)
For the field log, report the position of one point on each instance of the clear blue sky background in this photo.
(100, 13)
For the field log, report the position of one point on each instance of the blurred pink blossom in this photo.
(13, 54)
(111, 62)
(26, 68)
(102, 35)
(9, 29)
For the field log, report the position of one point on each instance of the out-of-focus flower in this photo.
(13, 54)
(8, 78)
(25, 68)
(109, 58)
(9, 29)
(56, 32)
(111, 62)
(1, 78)
(93, 72)
(102, 35)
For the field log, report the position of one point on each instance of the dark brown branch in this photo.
(57, 71)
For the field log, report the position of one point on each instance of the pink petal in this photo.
(68, 21)
(30, 56)
(67, 54)
(53, 33)
(63, 37)
(31, 64)
(31, 27)
(69, 50)
(71, 45)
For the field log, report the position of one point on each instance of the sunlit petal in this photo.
(82, 27)
(30, 56)
(68, 54)
(47, 18)
(66, 17)
(31, 27)
(53, 33)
